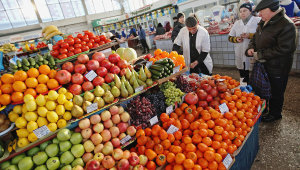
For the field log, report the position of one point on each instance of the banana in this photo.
(12, 145)
(49, 29)
(52, 34)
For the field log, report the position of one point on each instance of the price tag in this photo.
(91, 75)
(227, 161)
(172, 129)
(106, 51)
(223, 108)
(138, 89)
(169, 109)
(149, 63)
(259, 108)
(176, 69)
(92, 107)
(125, 139)
(221, 79)
(41, 131)
(153, 120)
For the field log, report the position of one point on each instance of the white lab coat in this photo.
(238, 28)
(202, 44)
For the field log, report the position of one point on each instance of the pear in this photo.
(105, 87)
(124, 92)
(123, 79)
(129, 88)
(142, 75)
(149, 82)
(99, 101)
(132, 79)
(135, 73)
(148, 73)
(128, 73)
(99, 91)
(141, 83)
(117, 81)
(112, 84)
(88, 96)
(77, 111)
(135, 84)
(115, 91)
(78, 100)
(108, 97)
(85, 105)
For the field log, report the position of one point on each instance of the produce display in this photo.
(50, 31)
(162, 68)
(6, 48)
(127, 54)
(177, 59)
(173, 95)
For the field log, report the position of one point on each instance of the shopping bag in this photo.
(260, 82)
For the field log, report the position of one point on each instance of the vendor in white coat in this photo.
(240, 34)
(195, 43)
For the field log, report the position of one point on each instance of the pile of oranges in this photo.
(230, 82)
(35, 81)
(205, 136)
(177, 59)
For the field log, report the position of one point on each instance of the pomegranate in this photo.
(101, 71)
(206, 87)
(92, 65)
(77, 78)
(115, 70)
(202, 95)
(114, 58)
(68, 66)
(123, 72)
(63, 76)
(214, 92)
(98, 81)
(75, 89)
(98, 56)
(209, 98)
(203, 104)
(87, 86)
(80, 68)
(191, 98)
(122, 64)
(109, 78)
(106, 64)
(222, 87)
(83, 58)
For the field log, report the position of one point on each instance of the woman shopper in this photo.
(240, 34)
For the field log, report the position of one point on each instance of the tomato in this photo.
(70, 41)
(102, 42)
(92, 36)
(64, 45)
(77, 46)
(71, 48)
(97, 39)
(90, 45)
(85, 48)
(102, 38)
(91, 41)
(55, 47)
(62, 56)
(70, 37)
(77, 50)
(54, 53)
(63, 51)
(70, 54)
(83, 43)
(107, 41)
(79, 36)
(86, 39)
(60, 42)
(77, 40)
(96, 45)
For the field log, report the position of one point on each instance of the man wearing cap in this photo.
(240, 34)
(177, 27)
(274, 44)
(195, 42)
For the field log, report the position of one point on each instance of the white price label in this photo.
(149, 63)
(176, 69)
(125, 139)
(153, 120)
(106, 51)
(169, 109)
(259, 108)
(223, 108)
(41, 131)
(91, 75)
(92, 107)
(172, 129)
(138, 89)
(227, 161)
(221, 79)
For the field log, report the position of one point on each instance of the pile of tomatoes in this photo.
(75, 45)
(204, 137)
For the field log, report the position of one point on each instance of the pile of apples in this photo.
(105, 68)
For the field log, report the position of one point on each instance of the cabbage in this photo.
(129, 54)
(120, 51)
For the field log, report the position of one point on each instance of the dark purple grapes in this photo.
(183, 84)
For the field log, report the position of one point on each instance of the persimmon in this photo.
(151, 165)
(148, 132)
(150, 154)
(158, 148)
(139, 133)
(203, 132)
(183, 106)
(170, 157)
(225, 135)
(221, 122)
(209, 155)
(199, 153)
(179, 158)
(169, 167)
(178, 135)
(163, 135)
(202, 147)
(174, 115)
(206, 116)
(182, 145)
(178, 111)
(210, 132)
(155, 130)
(142, 140)
(190, 117)
(177, 142)
(210, 124)
(141, 150)
(186, 139)
(166, 144)
(222, 152)
(165, 125)
(197, 167)
(196, 138)
(213, 165)
(171, 121)
(190, 147)
(187, 132)
(188, 163)
(171, 138)
(231, 149)
(178, 167)
(161, 159)
(156, 139)
(192, 156)
(221, 166)
(177, 124)
(237, 142)
(188, 110)
(216, 144)
(207, 141)
(218, 130)
(185, 124)
(164, 117)
(150, 144)
(203, 125)
(203, 162)
(176, 149)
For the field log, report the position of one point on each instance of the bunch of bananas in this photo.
(50, 31)
(6, 48)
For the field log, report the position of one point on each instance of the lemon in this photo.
(50, 105)
(22, 133)
(42, 111)
(22, 142)
(21, 122)
(67, 116)
(60, 110)
(28, 97)
(52, 116)
(61, 123)
(68, 105)
(52, 95)
(30, 106)
(23, 115)
(17, 109)
(32, 126)
(41, 100)
(61, 99)
(24, 109)
(31, 116)
(62, 90)
(41, 121)
(13, 116)
(32, 137)
(52, 127)
(69, 95)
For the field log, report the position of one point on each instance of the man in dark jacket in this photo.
(274, 43)
(179, 25)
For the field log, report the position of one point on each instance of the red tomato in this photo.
(96, 45)
(83, 43)
(60, 42)
(102, 38)
(77, 45)
(70, 54)
(55, 47)
(64, 45)
(77, 40)
(63, 51)
(54, 53)
(71, 48)
(86, 39)
(97, 39)
(91, 36)
(62, 56)
(90, 45)
(70, 41)
(79, 36)
(85, 48)
(77, 50)
(70, 36)
(102, 42)
(107, 41)
(92, 41)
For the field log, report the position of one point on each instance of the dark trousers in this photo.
(145, 45)
(278, 86)
(244, 74)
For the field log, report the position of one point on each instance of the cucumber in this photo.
(32, 61)
(13, 66)
(155, 77)
(162, 61)
(19, 64)
(155, 72)
(46, 62)
(25, 68)
(40, 58)
(25, 62)
(157, 67)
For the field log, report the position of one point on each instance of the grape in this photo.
(183, 84)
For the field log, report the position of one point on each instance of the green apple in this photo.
(77, 150)
(5, 165)
(76, 138)
(40, 158)
(67, 167)
(17, 158)
(64, 135)
(44, 145)
(55, 140)
(78, 161)
(65, 146)
(52, 150)
(41, 167)
(66, 158)
(26, 163)
(53, 163)
(12, 167)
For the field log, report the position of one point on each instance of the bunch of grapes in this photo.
(167, 85)
(158, 100)
(171, 93)
(183, 84)
(141, 111)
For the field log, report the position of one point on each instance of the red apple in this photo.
(122, 127)
(101, 71)
(87, 86)
(99, 56)
(116, 142)
(68, 66)
(114, 58)
(77, 78)
(114, 70)
(93, 165)
(209, 98)
(106, 64)
(117, 154)
(83, 58)
(108, 162)
(80, 68)
(134, 160)
(98, 81)
(138, 167)
(109, 78)
(87, 157)
(202, 94)
(92, 65)
(206, 87)
(63, 76)
(203, 104)
(75, 89)
(123, 164)
(143, 160)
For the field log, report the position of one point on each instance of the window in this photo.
(51, 10)
(148, 2)
(135, 4)
(16, 13)
(100, 6)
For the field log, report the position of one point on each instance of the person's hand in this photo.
(250, 52)
(245, 35)
(239, 39)
(194, 64)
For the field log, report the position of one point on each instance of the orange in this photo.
(5, 99)
(20, 75)
(17, 97)
(6, 88)
(203, 162)
(207, 141)
(41, 88)
(52, 74)
(178, 167)
(31, 82)
(209, 155)
(7, 78)
(188, 163)
(173, 54)
(33, 72)
(44, 69)
(52, 84)
(179, 158)
(157, 52)
(43, 78)
(213, 165)
(19, 86)
(30, 91)
(165, 54)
